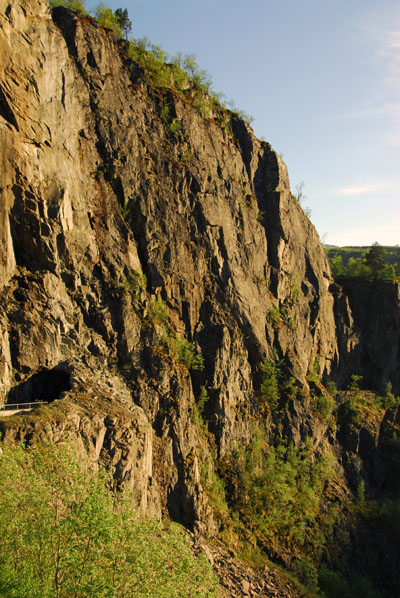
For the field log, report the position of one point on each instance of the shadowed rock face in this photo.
(96, 192)
(376, 309)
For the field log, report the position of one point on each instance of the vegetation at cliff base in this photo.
(64, 535)
(278, 501)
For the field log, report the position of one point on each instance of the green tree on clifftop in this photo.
(123, 21)
(106, 18)
(375, 259)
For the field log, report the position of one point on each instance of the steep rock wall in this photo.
(97, 190)
(376, 310)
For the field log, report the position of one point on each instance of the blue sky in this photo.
(322, 81)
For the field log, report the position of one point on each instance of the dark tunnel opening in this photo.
(46, 385)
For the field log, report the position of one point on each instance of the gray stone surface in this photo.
(95, 192)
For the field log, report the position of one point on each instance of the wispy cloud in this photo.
(354, 190)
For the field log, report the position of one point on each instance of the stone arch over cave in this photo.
(46, 385)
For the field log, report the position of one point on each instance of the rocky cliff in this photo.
(376, 310)
(97, 192)
(132, 251)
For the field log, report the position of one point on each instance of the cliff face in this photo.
(126, 242)
(376, 309)
(97, 190)
(140, 237)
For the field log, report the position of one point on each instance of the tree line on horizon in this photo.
(373, 263)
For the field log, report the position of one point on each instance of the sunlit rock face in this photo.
(97, 191)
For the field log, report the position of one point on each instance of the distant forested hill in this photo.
(355, 261)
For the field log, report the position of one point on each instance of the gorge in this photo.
(163, 291)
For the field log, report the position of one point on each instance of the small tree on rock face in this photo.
(375, 259)
(301, 198)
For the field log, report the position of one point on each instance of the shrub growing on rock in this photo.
(77, 6)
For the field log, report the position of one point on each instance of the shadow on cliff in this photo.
(370, 345)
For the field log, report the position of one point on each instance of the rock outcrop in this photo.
(376, 310)
(126, 242)
(97, 191)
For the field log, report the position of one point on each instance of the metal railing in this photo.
(21, 406)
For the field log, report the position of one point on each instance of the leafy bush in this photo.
(248, 118)
(350, 410)
(200, 405)
(178, 349)
(65, 535)
(269, 383)
(275, 316)
(389, 399)
(134, 281)
(326, 406)
(331, 388)
(174, 124)
(157, 312)
(276, 384)
(106, 18)
(261, 216)
(279, 494)
(77, 6)
(199, 78)
(294, 291)
(355, 383)
(186, 353)
(215, 489)
(314, 372)
(152, 58)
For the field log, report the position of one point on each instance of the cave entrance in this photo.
(44, 386)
